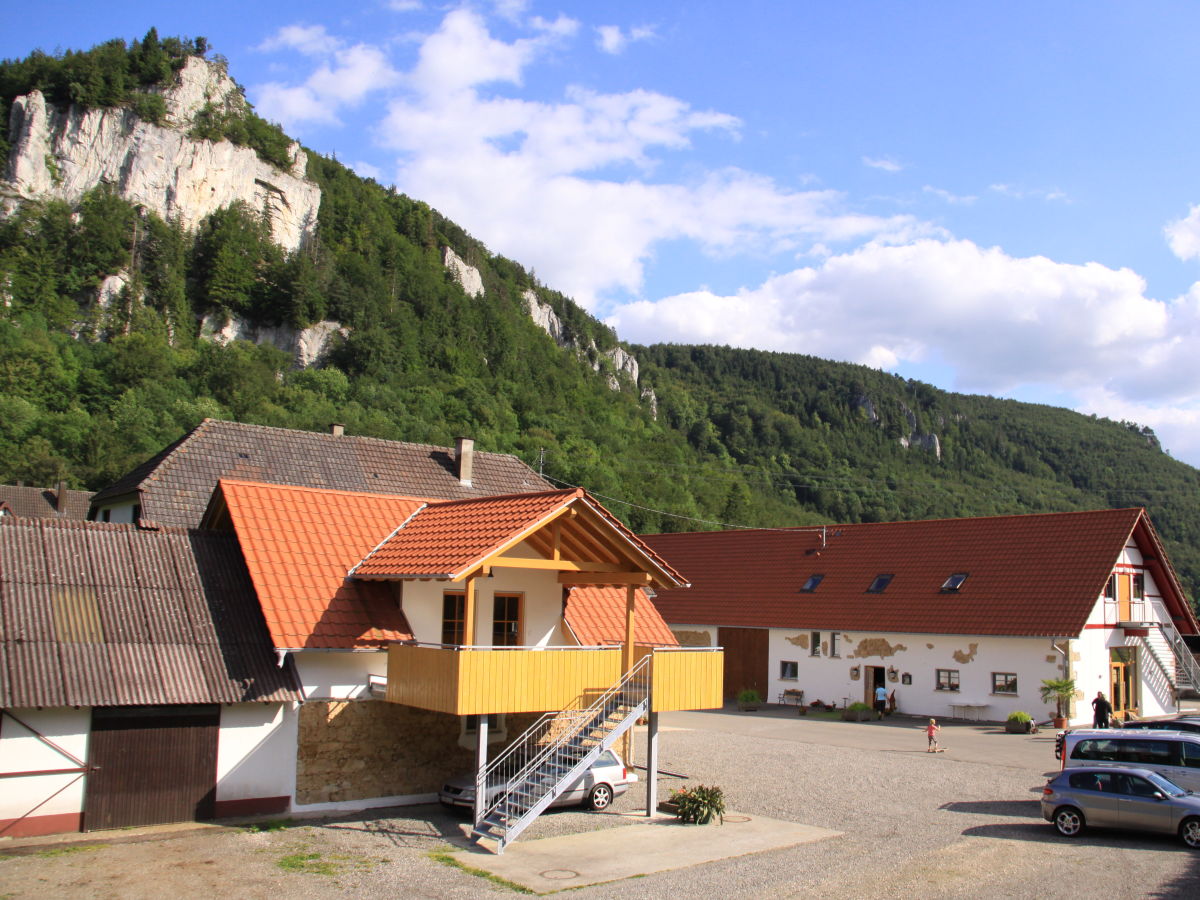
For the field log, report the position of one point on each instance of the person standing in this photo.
(931, 732)
(1101, 710)
(880, 701)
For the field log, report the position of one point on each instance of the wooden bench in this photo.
(792, 697)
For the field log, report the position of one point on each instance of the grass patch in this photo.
(66, 851)
(307, 864)
(447, 858)
(269, 826)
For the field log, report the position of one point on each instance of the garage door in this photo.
(155, 764)
(746, 659)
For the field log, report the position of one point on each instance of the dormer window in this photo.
(811, 584)
(955, 581)
(880, 582)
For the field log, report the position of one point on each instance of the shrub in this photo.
(749, 695)
(859, 707)
(1019, 716)
(699, 805)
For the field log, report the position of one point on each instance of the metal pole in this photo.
(652, 764)
(481, 732)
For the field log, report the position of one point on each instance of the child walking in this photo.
(931, 732)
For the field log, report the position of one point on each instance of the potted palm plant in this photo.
(1060, 690)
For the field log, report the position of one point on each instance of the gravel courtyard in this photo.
(964, 823)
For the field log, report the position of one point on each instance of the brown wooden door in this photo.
(746, 660)
(154, 765)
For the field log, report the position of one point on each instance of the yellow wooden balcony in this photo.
(479, 680)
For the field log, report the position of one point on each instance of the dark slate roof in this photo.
(96, 614)
(44, 503)
(1026, 574)
(175, 486)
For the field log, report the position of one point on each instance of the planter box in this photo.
(1018, 727)
(748, 707)
(856, 715)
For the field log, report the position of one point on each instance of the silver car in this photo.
(1120, 798)
(607, 779)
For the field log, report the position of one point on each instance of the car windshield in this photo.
(1166, 785)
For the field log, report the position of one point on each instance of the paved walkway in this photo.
(614, 854)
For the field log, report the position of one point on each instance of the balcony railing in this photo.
(479, 680)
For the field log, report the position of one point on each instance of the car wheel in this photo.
(1068, 821)
(601, 797)
(1189, 832)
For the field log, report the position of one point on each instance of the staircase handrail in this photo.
(539, 752)
(1183, 654)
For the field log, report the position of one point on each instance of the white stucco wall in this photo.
(22, 751)
(1091, 653)
(256, 751)
(829, 678)
(541, 611)
(339, 674)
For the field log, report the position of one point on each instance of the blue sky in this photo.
(995, 198)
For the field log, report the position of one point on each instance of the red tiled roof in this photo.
(447, 540)
(299, 544)
(596, 616)
(1027, 574)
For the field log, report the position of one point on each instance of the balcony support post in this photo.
(652, 764)
(469, 611)
(481, 743)
(627, 660)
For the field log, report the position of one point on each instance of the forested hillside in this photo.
(708, 435)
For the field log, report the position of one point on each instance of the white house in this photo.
(957, 617)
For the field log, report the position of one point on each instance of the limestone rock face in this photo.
(63, 155)
(307, 347)
(467, 276)
(544, 317)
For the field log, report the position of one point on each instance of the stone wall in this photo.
(359, 749)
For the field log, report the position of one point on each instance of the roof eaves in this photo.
(667, 573)
(394, 532)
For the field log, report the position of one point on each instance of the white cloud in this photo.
(366, 170)
(611, 39)
(1183, 235)
(1019, 193)
(952, 199)
(344, 78)
(1000, 322)
(312, 40)
(404, 5)
(884, 163)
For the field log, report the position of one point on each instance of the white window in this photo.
(835, 641)
(815, 648)
(789, 670)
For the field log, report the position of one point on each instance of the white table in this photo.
(971, 711)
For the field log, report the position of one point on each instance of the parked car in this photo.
(1179, 723)
(607, 779)
(1137, 799)
(1172, 754)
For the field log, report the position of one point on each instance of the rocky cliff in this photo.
(63, 154)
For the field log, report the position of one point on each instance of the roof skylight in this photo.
(880, 582)
(811, 584)
(955, 581)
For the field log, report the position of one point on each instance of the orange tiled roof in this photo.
(448, 539)
(596, 615)
(1027, 574)
(299, 543)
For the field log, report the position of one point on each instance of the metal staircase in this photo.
(1187, 670)
(552, 755)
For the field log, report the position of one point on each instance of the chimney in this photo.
(60, 499)
(466, 460)
(337, 429)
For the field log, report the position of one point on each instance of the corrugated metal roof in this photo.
(96, 614)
